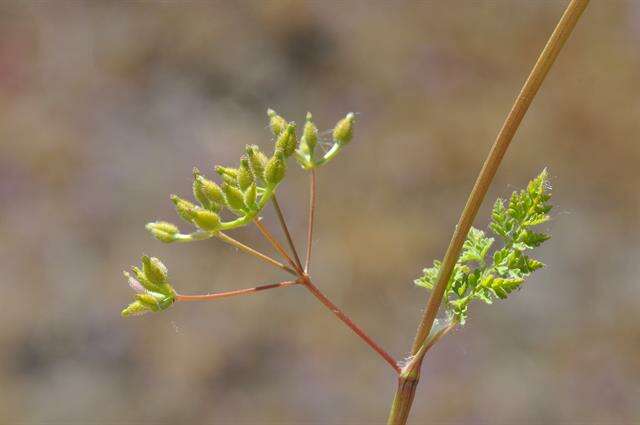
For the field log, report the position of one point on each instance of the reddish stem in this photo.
(273, 241)
(227, 294)
(312, 210)
(347, 321)
(285, 228)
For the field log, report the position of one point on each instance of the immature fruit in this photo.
(276, 123)
(286, 141)
(250, 195)
(163, 231)
(229, 175)
(154, 270)
(309, 136)
(207, 220)
(212, 192)
(184, 208)
(343, 131)
(234, 197)
(257, 161)
(245, 175)
(275, 169)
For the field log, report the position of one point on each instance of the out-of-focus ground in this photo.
(106, 106)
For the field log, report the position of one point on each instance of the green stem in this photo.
(331, 153)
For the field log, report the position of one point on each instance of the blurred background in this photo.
(106, 106)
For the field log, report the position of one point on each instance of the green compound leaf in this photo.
(476, 277)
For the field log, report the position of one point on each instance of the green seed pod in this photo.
(154, 270)
(286, 141)
(234, 197)
(140, 276)
(257, 161)
(184, 208)
(309, 138)
(197, 189)
(207, 220)
(212, 192)
(245, 175)
(250, 196)
(275, 169)
(144, 281)
(343, 131)
(231, 172)
(149, 301)
(276, 123)
(136, 308)
(229, 175)
(163, 231)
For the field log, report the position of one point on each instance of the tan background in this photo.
(106, 106)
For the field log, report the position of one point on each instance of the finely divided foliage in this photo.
(478, 275)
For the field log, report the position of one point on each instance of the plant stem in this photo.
(312, 210)
(228, 239)
(347, 321)
(306, 281)
(407, 386)
(246, 291)
(277, 245)
(283, 224)
(331, 153)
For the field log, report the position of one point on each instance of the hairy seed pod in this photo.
(197, 189)
(343, 131)
(212, 192)
(136, 308)
(154, 270)
(250, 195)
(148, 301)
(286, 141)
(229, 175)
(207, 220)
(257, 161)
(234, 197)
(276, 123)
(163, 231)
(309, 138)
(184, 208)
(275, 170)
(245, 175)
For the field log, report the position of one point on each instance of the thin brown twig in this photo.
(347, 321)
(405, 392)
(277, 245)
(312, 210)
(285, 228)
(227, 294)
(228, 239)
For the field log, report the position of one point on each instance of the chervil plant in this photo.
(476, 266)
